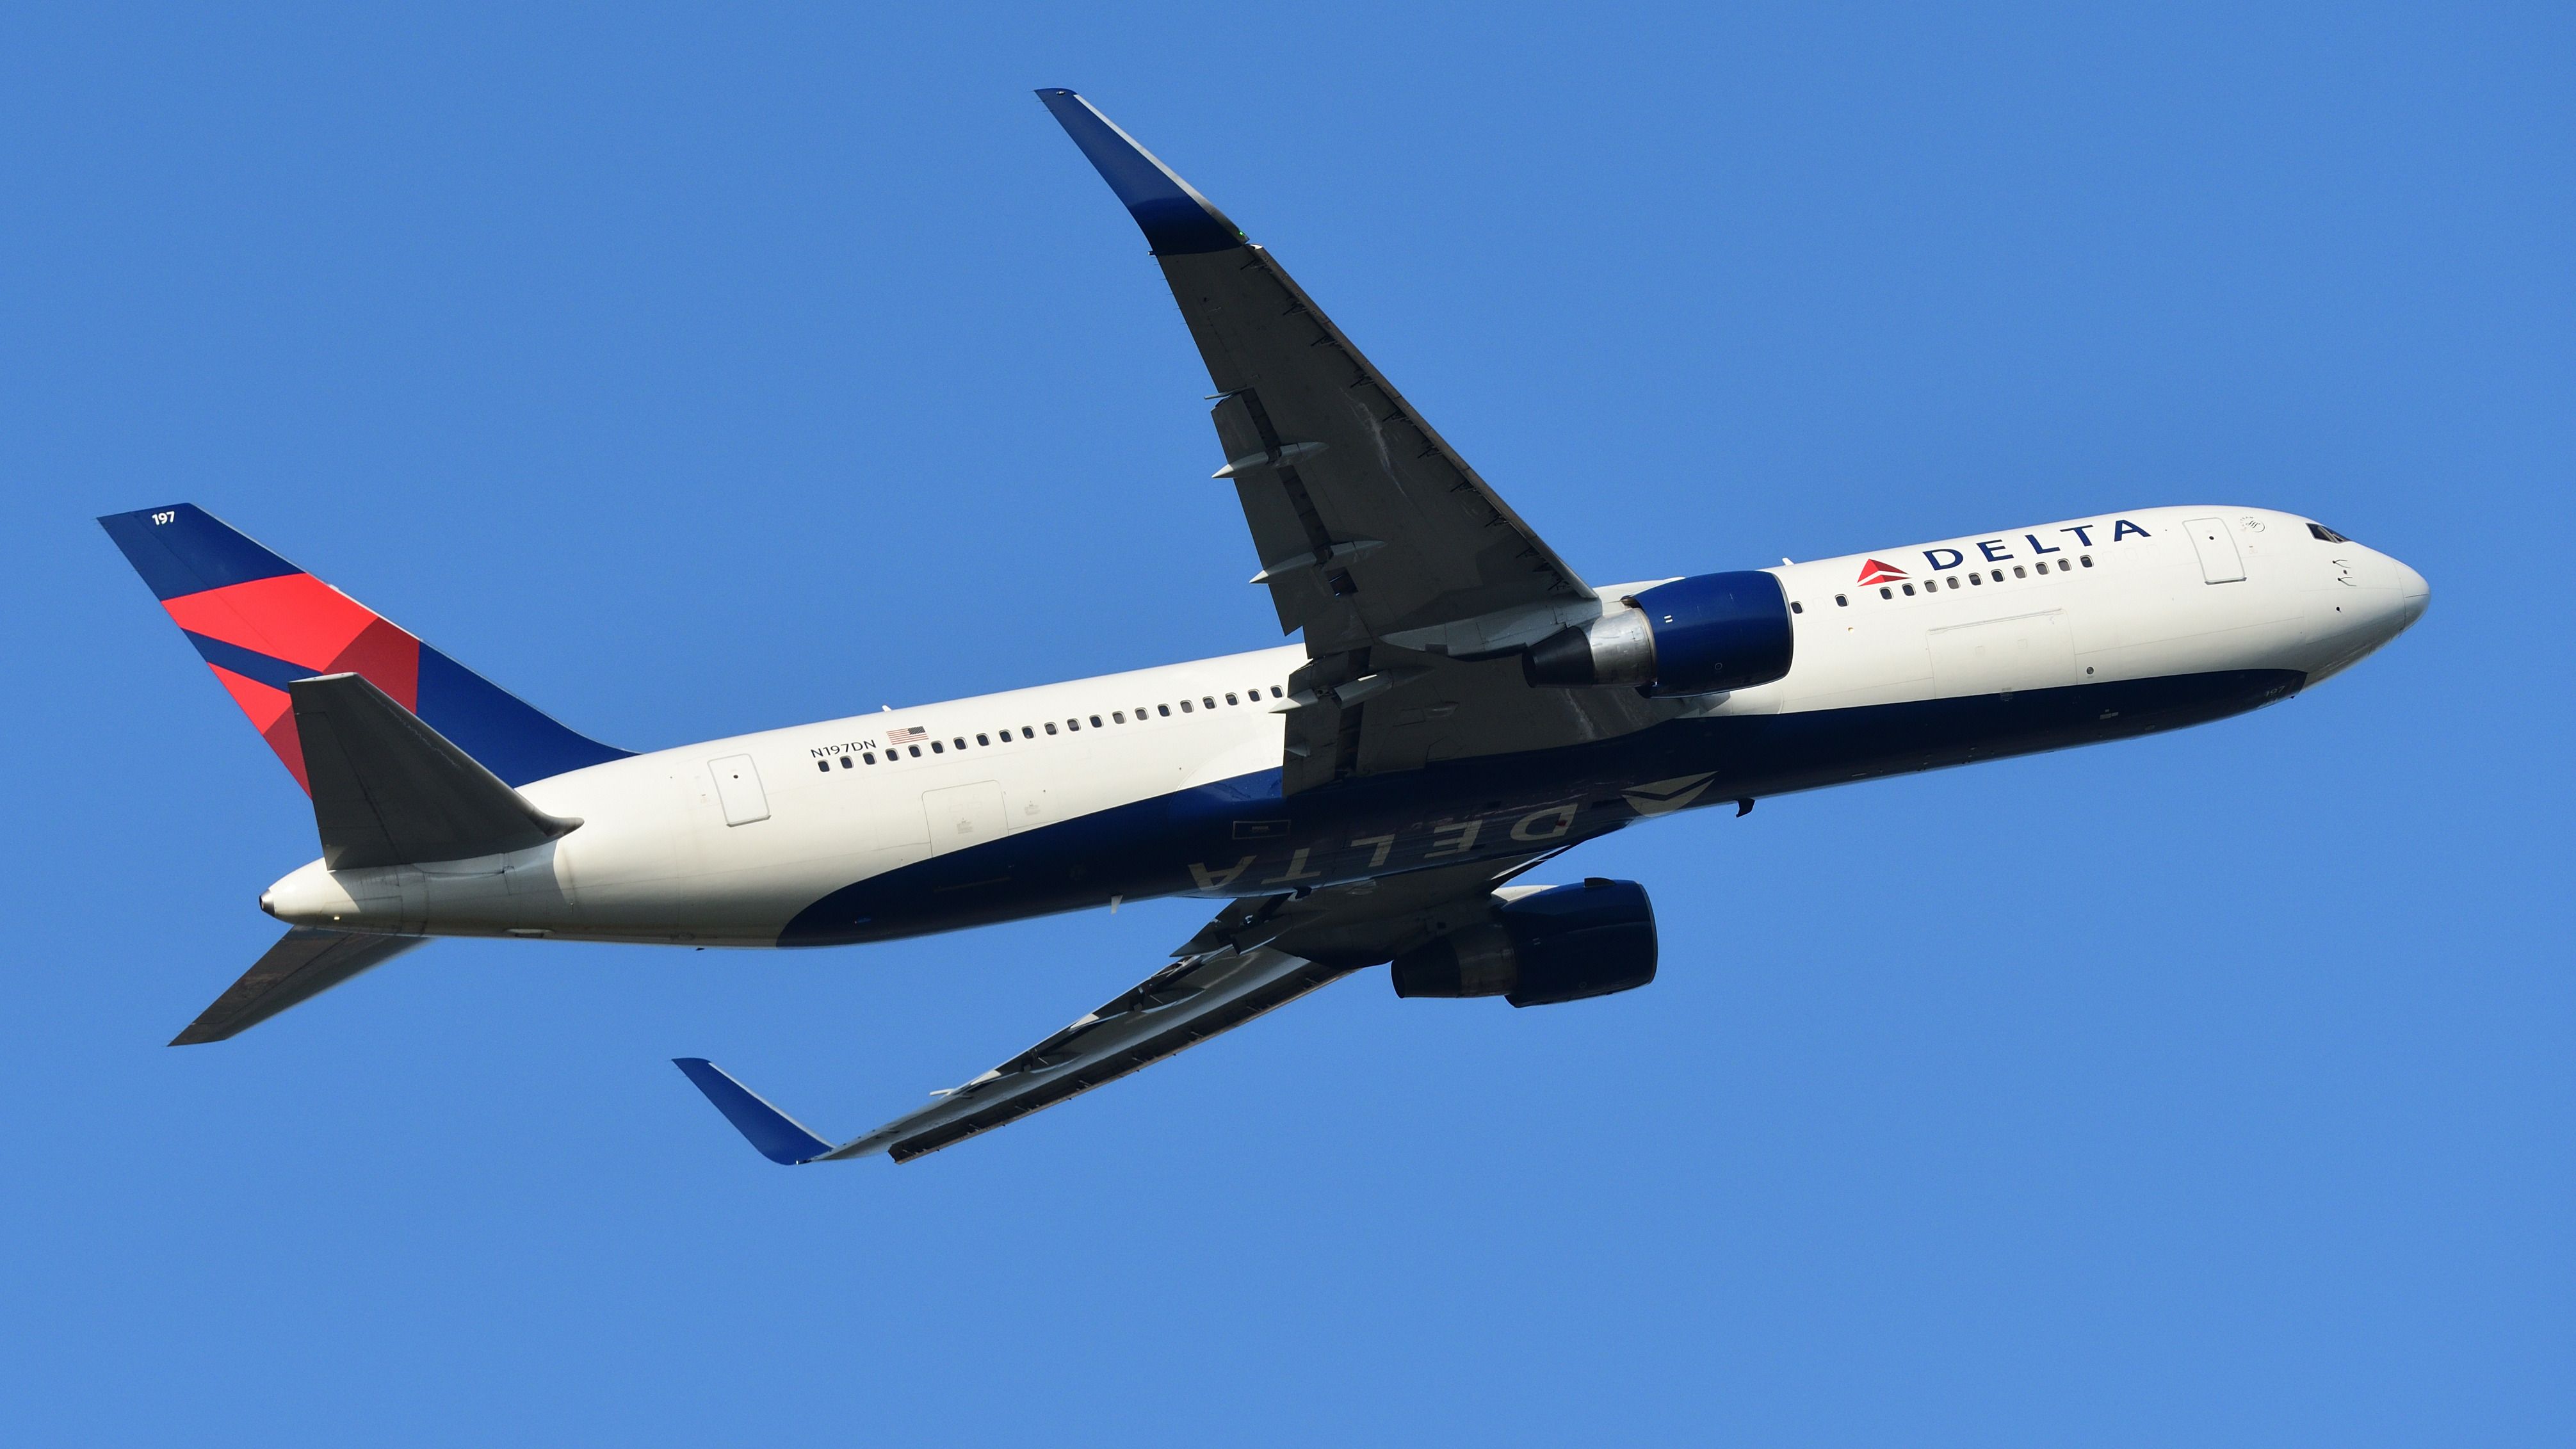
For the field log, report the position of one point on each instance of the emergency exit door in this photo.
(963, 815)
(738, 790)
(2216, 545)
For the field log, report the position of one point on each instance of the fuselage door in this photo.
(2219, 561)
(738, 787)
(963, 815)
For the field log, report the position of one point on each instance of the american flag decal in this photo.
(909, 734)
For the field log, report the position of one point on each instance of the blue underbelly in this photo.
(1240, 837)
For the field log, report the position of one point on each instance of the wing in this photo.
(303, 964)
(1259, 953)
(1376, 538)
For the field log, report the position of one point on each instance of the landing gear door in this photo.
(2219, 562)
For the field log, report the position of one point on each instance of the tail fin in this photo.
(261, 623)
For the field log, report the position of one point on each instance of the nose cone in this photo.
(2413, 594)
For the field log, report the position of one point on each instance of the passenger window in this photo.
(936, 748)
(1954, 581)
(1976, 578)
(1073, 724)
(824, 765)
(983, 740)
(1208, 701)
(1274, 692)
(1230, 699)
(915, 749)
(1841, 603)
(1050, 726)
(1909, 591)
(1185, 706)
(1796, 608)
(2086, 560)
(845, 762)
(959, 742)
(1164, 710)
(1095, 721)
(1887, 593)
(870, 757)
(1118, 716)
(2017, 573)
(2064, 567)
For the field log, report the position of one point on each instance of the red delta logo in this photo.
(1874, 572)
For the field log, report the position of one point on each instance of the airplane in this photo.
(1461, 709)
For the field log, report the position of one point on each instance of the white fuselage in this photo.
(1083, 791)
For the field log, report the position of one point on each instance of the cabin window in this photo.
(1050, 726)
(1954, 581)
(845, 762)
(2017, 572)
(1073, 724)
(869, 758)
(1208, 701)
(937, 749)
(1887, 593)
(1230, 699)
(2086, 560)
(1185, 706)
(1118, 716)
(915, 749)
(1796, 608)
(1274, 692)
(1841, 603)
(823, 765)
(983, 740)
(1095, 721)
(1909, 591)
(1164, 710)
(1976, 578)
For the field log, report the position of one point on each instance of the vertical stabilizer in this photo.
(261, 623)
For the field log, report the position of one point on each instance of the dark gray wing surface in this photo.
(303, 964)
(1375, 537)
(1258, 954)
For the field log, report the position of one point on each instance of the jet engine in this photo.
(1539, 947)
(1698, 635)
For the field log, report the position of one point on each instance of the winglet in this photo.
(1176, 220)
(781, 1138)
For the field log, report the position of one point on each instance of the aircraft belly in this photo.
(1240, 836)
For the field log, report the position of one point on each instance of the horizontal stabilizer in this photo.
(389, 790)
(301, 966)
(780, 1138)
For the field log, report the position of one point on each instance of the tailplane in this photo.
(261, 623)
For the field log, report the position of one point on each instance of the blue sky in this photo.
(691, 371)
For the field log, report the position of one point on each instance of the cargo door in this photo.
(963, 815)
(738, 788)
(2004, 656)
(2219, 562)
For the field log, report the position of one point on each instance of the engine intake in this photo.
(1698, 635)
(1563, 943)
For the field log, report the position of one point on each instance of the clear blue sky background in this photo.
(692, 371)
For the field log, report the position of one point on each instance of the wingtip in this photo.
(1175, 218)
(772, 1133)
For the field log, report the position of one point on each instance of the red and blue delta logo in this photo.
(1874, 572)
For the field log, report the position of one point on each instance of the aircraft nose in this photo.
(2413, 594)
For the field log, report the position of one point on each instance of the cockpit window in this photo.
(2324, 534)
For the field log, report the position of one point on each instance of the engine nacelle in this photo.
(1563, 943)
(1692, 636)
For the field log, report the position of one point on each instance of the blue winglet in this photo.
(781, 1138)
(1176, 220)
